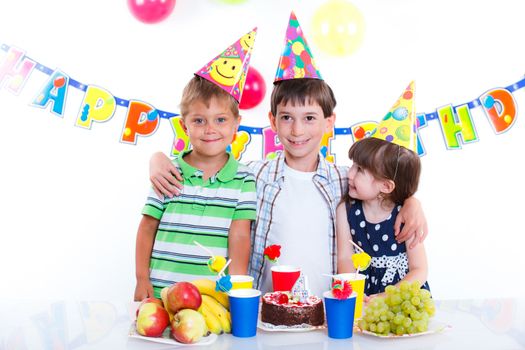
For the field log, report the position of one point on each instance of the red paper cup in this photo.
(284, 277)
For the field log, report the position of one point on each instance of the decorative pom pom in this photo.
(361, 260)
(216, 263)
(341, 289)
(272, 252)
(224, 284)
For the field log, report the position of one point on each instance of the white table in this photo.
(476, 324)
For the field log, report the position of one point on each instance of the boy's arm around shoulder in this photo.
(164, 176)
(415, 228)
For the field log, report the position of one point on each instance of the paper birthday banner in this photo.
(143, 119)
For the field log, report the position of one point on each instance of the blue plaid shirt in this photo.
(332, 182)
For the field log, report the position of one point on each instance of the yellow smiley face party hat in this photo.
(399, 124)
(296, 60)
(228, 70)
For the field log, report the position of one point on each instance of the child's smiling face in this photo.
(301, 128)
(210, 127)
(362, 184)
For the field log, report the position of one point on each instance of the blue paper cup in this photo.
(244, 310)
(339, 315)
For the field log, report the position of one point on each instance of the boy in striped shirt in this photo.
(218, 200)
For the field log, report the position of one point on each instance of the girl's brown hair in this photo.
(388, 161)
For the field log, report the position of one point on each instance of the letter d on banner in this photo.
(98, 105)
(500, 107)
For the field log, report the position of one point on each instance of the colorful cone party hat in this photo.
(229, 69)
(399, 124)
(296, 60)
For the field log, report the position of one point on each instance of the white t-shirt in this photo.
(301, 226)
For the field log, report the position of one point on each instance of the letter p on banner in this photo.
(98, 105)
(142, 119)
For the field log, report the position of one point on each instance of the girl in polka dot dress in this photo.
(382, 177)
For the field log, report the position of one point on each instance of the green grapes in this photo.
(405, 309)
(390, 289)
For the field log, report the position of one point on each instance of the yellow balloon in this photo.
(338, 28)
(232, 2)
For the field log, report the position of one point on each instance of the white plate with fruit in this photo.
(167, 339)
(403, 311)
(433, 327)
(187, 314)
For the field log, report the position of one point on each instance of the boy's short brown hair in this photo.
(301, 91)
(389, 161)
(200, 89)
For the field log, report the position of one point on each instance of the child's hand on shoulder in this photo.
(164, 176)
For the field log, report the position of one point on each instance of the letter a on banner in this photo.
(54, 91)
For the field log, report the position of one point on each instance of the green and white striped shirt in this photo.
(203, 213)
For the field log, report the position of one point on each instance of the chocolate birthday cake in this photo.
(281, 308)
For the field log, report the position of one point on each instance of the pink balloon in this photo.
(151, 11)
(254, 89)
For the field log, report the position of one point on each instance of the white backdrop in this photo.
(71, 197)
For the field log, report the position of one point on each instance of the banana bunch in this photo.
(214, 307)
(217, 318)
(207, 287)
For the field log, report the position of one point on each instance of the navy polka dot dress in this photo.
(389, 259)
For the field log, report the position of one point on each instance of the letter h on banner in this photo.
(16, 66)
(456, 123)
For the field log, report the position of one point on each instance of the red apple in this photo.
(183, 295)
(152, 320)
(149, 300)
(188, 326)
